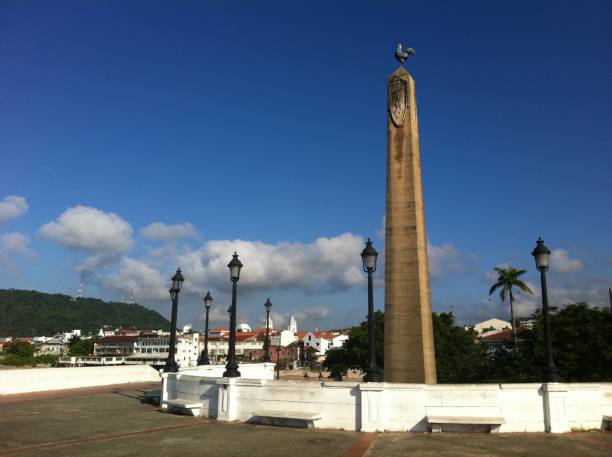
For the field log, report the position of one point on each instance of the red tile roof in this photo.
(504, 335)
(117, 339)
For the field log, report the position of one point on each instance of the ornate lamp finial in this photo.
(401, 56)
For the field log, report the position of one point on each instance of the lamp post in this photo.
(278, 348)
(268, 306)
(542, 254)
(204, 356)
(368, 257)
(231, 368)
(177, 282)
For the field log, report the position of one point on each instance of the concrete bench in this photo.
(607, 422)
(194, 407)
(436, 422)
(285, 418)
(152, 396)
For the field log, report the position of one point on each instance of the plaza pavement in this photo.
(113, 421)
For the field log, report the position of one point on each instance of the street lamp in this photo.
(204, 356)
(231, 368)
(278, 349)
(268, 306)
(368, 257)
(542, 255)
(177, 282)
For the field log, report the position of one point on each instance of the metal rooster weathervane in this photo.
(401, 56)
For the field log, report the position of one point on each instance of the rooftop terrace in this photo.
(114, 421)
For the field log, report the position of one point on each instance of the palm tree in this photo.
(507, 279)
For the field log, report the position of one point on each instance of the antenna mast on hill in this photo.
(131, 300)
(80, 290)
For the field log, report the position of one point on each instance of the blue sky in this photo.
(261, 129)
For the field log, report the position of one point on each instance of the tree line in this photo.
(580, 335)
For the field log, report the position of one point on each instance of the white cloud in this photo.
(490, 277)
(104, 235)
(13, 245)
(12, 206)
(561, 262)
(163, 232)
(144, 280)
(443, 258)
(327, 264)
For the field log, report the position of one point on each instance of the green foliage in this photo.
(17, 361)
(23, 361)
(581, 343)
(581, 350)
(82, 347)
(29, 313)
(507, 280)
(20, 349)
(46, 359)
(459, 357)
(354, 352)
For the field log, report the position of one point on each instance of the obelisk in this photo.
(409, 346)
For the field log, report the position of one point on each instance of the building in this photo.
(319, 341)
(496, 341)
(54, 346)
(283, 338)
(115, 345)
(67, 335)
(292, 325)
(490, 326)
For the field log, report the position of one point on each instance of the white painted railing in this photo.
(370, 407)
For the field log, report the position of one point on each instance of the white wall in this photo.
(42, 379)
(370, 407)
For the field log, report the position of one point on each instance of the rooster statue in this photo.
(401, 55)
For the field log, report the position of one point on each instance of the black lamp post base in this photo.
(551, 374)
(373, 375)
(203, 360)
(231, 370)
(267, 359)
(336, 375)
(171, 367)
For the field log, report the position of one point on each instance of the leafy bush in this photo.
(16, 361)
(20, 349)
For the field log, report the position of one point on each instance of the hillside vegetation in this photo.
(31, 313)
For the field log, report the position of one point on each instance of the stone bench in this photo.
(607, 422)
(152, 396)
(285, 418)
(436, 422)
(194, 407)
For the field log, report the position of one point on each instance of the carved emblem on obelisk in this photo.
(398, 101)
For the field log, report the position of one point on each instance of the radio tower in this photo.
(80, 290)
(131, 300)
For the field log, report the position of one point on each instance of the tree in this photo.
(82, 347)
(459, 356)
(580, 336)
(508, 278)
(354, 351)
(21, 349)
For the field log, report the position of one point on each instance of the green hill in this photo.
(30, 313)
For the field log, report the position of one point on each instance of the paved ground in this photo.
(112, 421)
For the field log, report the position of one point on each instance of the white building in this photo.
(283, 338)
(54, 346)
(67, 335)
(339, 340)
(491, 326)
(243, 328)
(292, 325)
(155, 347)
(320, 341)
